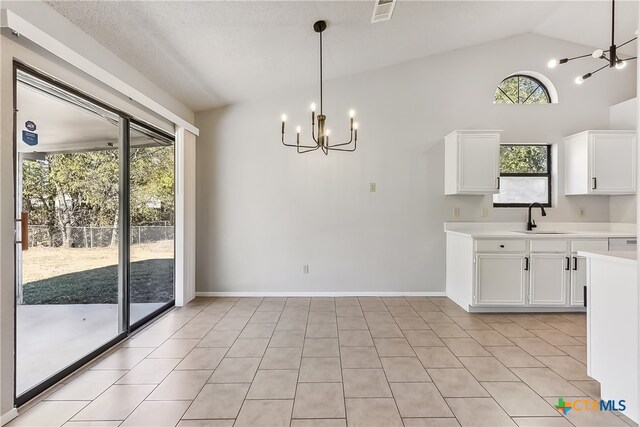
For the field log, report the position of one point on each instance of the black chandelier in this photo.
(321, 139)
(610, 55)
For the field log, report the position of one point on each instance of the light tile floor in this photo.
(304, 362)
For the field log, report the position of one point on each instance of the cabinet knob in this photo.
(502, 246)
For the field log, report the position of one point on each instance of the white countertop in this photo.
(615, 256)
(560, 231)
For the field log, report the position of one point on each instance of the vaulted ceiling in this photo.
(211, 53)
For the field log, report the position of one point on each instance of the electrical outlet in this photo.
(456, 212)
(372, 187)
(484, 212)
(305, 269)
(581, 212)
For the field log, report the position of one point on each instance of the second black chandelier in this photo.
(321, 135)
(611, 55)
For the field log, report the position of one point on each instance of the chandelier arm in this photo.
(627, 42)
(345, 149)
(306, 151)
(296, 145)
(344, 143)
(600, 69)
(582, 56)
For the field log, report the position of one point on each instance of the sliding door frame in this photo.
(124, 254)
(142, 321)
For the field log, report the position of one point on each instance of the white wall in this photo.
(263, 211)
(623, 116)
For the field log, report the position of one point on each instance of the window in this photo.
(521, 89)
(525, 176)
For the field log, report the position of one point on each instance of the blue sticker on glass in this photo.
(30, 138)
(30, 125)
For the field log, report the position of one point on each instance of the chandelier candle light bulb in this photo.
(321, 136)
(555, 62)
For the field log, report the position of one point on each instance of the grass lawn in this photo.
(151, 281)
(90, 276)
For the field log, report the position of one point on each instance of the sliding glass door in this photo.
(94, 220)
(152, 215)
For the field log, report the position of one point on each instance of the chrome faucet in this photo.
(531, 224)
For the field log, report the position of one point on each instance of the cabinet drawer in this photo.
(590, 245)
(497, 246)
(555, 246)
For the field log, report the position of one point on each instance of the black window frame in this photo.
(548, 203)
(518, 76)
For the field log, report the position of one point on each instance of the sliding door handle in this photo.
(24, 230)
(24, 222)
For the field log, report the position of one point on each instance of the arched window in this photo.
(521, 89)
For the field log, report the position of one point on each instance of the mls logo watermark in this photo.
(564, 406)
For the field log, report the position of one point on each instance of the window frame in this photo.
(548, 175)
(518, 76)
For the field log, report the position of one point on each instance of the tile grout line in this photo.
(121, 346)
(214, 370)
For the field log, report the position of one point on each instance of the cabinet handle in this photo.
(568, 264)
(595, 183)
(575, 263)
(584, 295)
(526, 263)
(498, 179)
(502, 246)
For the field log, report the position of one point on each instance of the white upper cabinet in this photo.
(472, 162)
(600, 162)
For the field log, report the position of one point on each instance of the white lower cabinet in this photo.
(579, 267)
(536, 273)
(519, 274)
(501, 279)
(548, 279)
(578, 279)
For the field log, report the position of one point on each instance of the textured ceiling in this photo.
(211, 53)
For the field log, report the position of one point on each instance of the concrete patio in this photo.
(51, 337)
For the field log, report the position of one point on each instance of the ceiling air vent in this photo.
(383, 10)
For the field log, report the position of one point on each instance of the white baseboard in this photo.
(6, 417)
(320, 294)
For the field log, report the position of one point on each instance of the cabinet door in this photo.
(549, 274)
(479, 167)
(613, 163)
(578, 279)
(501, 279)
